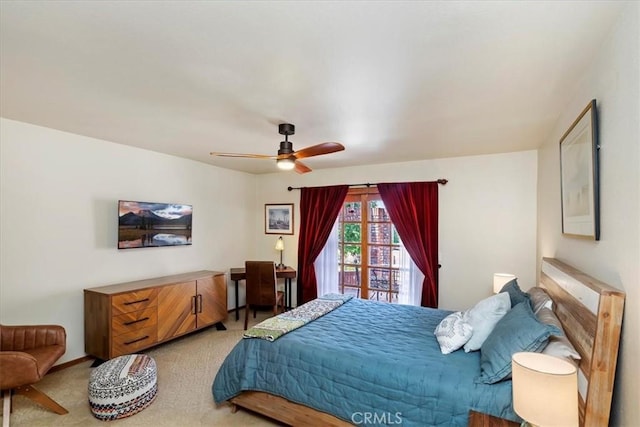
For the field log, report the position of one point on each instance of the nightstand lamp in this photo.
(501, 279)
(280, 247)
(545, 390)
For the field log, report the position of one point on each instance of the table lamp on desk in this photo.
(280, 247)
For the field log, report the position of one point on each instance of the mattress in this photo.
(367, 359)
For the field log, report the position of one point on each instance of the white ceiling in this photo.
(392, 80)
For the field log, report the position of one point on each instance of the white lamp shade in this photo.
(501, 279)
(545, 389)
(280, 244)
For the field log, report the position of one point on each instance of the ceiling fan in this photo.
(287, 158)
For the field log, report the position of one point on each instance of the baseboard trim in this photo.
(231, 310)
(70, 363)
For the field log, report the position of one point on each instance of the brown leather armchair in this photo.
(26, 355)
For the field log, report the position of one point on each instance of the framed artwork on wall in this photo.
(278, 219)
(579, 176)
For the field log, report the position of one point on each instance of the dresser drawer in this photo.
(133, 301)
(133, 321)
(133, 341)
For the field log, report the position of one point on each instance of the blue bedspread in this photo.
(363, 358)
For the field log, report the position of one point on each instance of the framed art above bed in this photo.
(579, 176)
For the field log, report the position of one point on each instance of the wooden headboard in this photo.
(591, 314)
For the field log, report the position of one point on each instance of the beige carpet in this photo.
(186, 369)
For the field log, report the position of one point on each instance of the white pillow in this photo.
(452, 332)
(483, 318)
(558, 346)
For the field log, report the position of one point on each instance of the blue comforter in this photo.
(367, 361)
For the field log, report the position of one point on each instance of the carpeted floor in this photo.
(186, 368)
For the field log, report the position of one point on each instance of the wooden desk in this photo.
(286, 273)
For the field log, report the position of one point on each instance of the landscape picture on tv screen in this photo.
(145, 224)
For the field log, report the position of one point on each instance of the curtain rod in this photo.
(439, 181)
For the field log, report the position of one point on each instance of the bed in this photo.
(347, 367)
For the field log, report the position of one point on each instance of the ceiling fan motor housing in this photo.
(286, 147)
(286, 129)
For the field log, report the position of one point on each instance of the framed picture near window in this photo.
(278, 219)
(579, 176)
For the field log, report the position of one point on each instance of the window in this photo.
(368, 248)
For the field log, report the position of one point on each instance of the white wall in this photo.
(487, 216)
(58, 221)
(614, 81)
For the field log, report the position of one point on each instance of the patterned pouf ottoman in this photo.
(123, 386)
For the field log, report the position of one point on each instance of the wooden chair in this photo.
(26, 355)
(261, 284)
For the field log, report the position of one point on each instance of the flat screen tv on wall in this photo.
(145, 224)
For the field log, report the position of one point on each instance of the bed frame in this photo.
(591, 314)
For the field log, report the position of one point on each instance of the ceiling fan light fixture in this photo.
(287, 158)
(286, 164)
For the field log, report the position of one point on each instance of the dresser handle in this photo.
(136, 302)
(194, 305)
(136, 340)
(136, 321)
(200, 301)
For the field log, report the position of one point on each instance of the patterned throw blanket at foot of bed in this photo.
(275, 327)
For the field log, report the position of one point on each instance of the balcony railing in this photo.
(379, 288)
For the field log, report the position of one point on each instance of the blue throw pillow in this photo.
(518, 330)
(515, 293)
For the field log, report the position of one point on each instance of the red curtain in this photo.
(413, 209)
(319, 208)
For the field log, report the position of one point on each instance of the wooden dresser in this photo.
(127, 317)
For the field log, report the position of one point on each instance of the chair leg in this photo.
(279, 303)
(36, 395)
(246, 316)
(6, 407)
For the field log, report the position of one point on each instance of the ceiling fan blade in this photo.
(251, 156)
(316, 150)
(301, 167)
